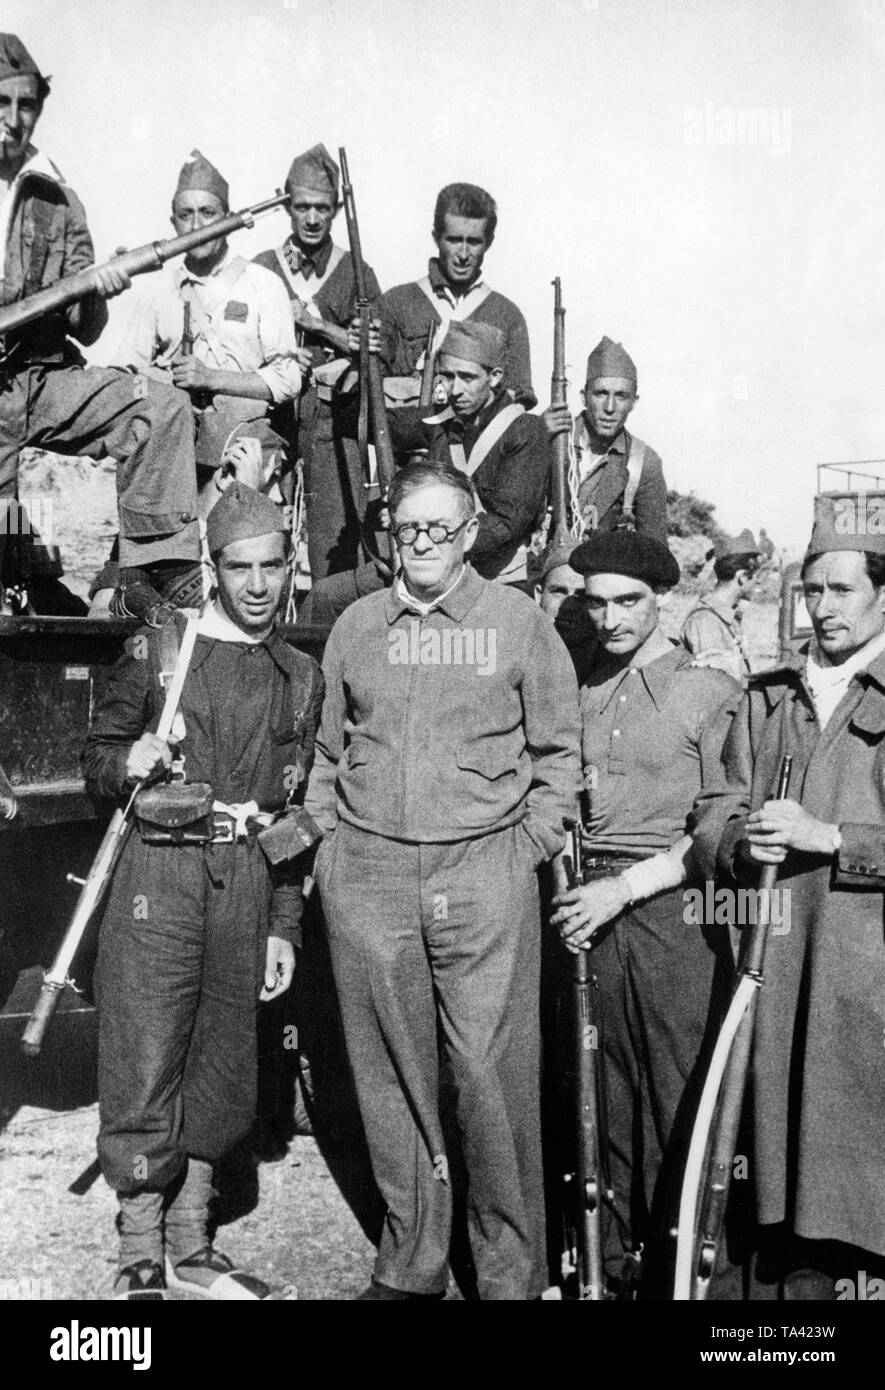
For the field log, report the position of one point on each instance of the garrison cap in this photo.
(849, 521)
(610, 359)
(627, 552)
(16, 61)
(474, 342)
(728, 546)
(240, 515)
(198, 172)
(314, 169)
(560, 553)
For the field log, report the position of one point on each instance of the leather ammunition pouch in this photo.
(176, 813)
(292, 831)
(402, 390)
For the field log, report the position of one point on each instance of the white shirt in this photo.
(250, 328)
(215, 623)
(827, 684)
(416, 604)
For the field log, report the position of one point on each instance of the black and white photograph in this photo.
(442, 662)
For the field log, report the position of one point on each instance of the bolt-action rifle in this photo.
(560, 534)
(372, 408)
(586, 1182)
(92, 888)
(138, 262)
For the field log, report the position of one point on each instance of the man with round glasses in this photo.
(447, 765)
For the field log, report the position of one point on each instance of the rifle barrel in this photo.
(145, 258)
(374, 382)
(559, 396)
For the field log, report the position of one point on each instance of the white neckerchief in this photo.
(216, 624)
(828, 684)
(422, 609)
(35, 163)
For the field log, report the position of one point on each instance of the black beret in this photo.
(626, 552)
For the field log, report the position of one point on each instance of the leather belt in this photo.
(602, 865)
(229, 827)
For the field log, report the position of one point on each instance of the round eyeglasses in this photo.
(437, 532)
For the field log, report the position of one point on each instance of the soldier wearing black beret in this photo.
(652, 724)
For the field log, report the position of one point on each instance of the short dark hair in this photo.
(413, 476)
(875, 566)
(465, 200)
(726, 568)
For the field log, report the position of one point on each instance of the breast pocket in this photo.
(43, 255)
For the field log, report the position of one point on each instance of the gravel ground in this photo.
(288, 1220)
(300, 1231)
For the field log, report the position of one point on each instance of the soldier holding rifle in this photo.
(203, 911)
(652, 728)
(489, 438)
(237, 360)
(464, 223)
(621, 479)
(47, 398)
(319, 279)
(243, 358)
(818, 1062)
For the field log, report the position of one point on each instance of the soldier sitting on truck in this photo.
(48, 397)
(218, 327)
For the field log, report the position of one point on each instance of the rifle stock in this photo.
(137, 262)
(90, 896)
(709, 1166)
(103, 866)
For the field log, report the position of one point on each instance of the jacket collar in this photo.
(870, 712)
(38, 166)
(276, 648)
(477, 422)
(455, 605)
(619, 447)
(440, 285)
(316, 262)
(657, 676)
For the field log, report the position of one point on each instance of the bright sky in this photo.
(704, 175)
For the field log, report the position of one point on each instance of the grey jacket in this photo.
(449, 727)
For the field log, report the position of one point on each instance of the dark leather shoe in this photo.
(136, 597)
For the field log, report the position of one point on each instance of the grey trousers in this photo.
(436, 950)
(146, 426)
